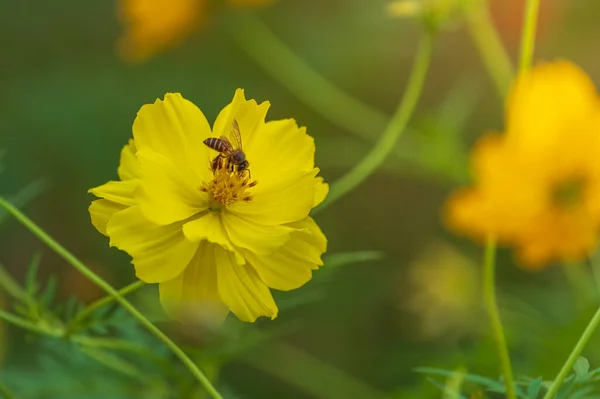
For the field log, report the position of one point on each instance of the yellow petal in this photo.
(210, 228)
(193, 295)
(547, 102)
(160, 253)
(263, 240)
(289, 201)
(321, 191)
(129, 167)
(165, 195)
(207, 227)
(175, 128)
(154, 25)
(101, 211)
(117, 195)
(292, 265)
(241, 289)
(120, 192)
(278, 152)
(248, 114)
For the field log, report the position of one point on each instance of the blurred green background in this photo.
(66, 110)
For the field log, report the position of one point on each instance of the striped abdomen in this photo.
(220, 145)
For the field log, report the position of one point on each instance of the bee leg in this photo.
(216, 164)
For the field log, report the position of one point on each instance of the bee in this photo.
(232, 154)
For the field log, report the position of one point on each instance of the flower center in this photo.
(227, 187)
(568, 193)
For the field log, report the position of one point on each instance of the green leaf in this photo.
(31, 285)
(581, 369)
(486, 382)
(588, 392)
(114, 362)
(47, 295)
(450, 392)
(534, 389)
(566, 388)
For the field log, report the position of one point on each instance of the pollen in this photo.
(228, 187)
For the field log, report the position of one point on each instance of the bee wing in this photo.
(226, 144)
(235, 134)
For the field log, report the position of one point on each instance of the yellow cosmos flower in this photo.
(538, 184)
(152, 26)
(214, 238)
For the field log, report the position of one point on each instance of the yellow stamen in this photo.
(227, 187)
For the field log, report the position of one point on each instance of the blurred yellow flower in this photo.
(213, 238)
(445, 297)
(152, 26)
(438, 9)
(537, 186)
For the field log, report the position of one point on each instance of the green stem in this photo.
(83, 269)
(27, 325)
(489, 44)
(489, 293)
(310, 87)
(386, 143)
(102, 302)
(575, 353)
(528, 34)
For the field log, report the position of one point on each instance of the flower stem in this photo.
(310, 87)
(489, 293)
(104, 301)
(386, 143)
(528, 34)
(488, 43)
(77, 264)
(573, 356)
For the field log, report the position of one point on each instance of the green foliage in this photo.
(114, 357)
(581, 384)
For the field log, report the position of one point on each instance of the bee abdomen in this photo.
(216, 144)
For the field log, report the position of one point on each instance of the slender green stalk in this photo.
(27, 325)
(573, 356)
(104, 301)
(489, 44)
(308, 85)
(386, 143)
(528, 34)
(489, 293)
(76, 263)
